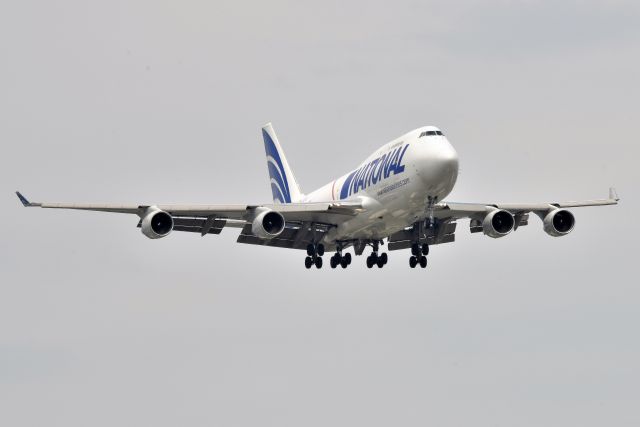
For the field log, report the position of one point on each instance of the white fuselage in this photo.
(393, 184)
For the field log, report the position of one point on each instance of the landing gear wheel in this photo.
(311, 250)
(413, 261)
(425, 249)
(370, 261)
(308, 262)
(423, 261)
(318, 262)
(334, 261)
(320, 249)
(347, 257)
(385, 258)
(344, 262)
(380, 262)
(415, 249)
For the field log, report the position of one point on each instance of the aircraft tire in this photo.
(425, 249)
(413, 261)
(423, 261)
(308, 262)
(370, 261)
(384, 257)
(318, 262)
(320, 249)
(347, 256)
(415, 249)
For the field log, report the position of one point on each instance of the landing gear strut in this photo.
(314, 252)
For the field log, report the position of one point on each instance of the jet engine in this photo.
(267, 224)
(497, 223)
(156, 224)
(558, 222)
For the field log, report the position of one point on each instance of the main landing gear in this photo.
(314, 257)
(419, 255)
(340, 260)
(379, 260)
(375, 259)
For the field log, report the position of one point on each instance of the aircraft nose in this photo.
(439, 170)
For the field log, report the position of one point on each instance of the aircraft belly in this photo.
(396, 210)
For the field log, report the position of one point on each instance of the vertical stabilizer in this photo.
(284, 186)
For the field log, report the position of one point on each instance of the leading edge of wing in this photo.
(231, 211)
(99, 207)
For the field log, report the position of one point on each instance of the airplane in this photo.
(397, 194)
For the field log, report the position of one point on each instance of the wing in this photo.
(472, 210)
(520, 211)
(445, 215)
(304, 221)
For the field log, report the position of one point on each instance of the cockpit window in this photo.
(430, 133)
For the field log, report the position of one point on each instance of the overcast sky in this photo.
(162, 102)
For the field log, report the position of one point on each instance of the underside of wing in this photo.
(441, 231)
(297, 235)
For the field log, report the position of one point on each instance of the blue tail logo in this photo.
(277, 173)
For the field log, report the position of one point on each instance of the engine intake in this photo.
(558, 222)
(157, 224)
(268, 224)
(498, 223)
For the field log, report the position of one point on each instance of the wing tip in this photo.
(26, 203)
(613, 194)
(22, 199)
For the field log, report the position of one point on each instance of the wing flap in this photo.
(443, 231)
(327, 213)
(293, 237)
(196, 225)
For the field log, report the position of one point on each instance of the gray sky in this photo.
(156, 101)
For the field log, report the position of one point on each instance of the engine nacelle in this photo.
(268, 224)
(498, 223)
(558, 222)
(156, 224)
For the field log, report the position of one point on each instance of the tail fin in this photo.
(284, 186)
